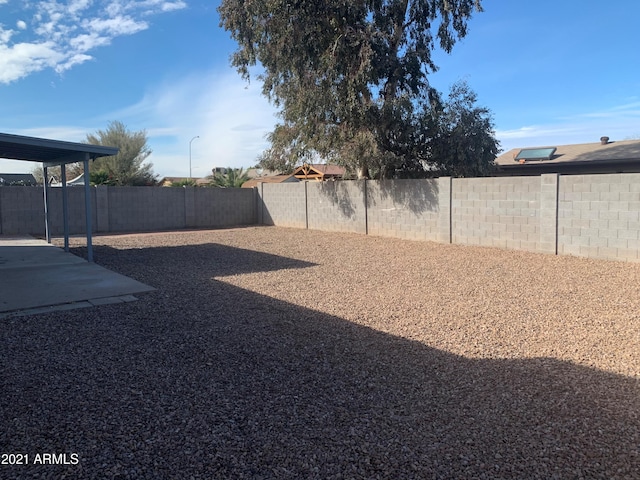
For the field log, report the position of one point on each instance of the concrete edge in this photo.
(94, 302)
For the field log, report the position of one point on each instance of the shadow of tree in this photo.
(418, 196)
(340, 193)
(214, 381)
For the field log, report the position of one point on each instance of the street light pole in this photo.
(190, 177)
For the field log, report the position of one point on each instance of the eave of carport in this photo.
(53, 153)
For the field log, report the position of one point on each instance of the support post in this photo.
(87, 207)
(65, 206)
(47, 232)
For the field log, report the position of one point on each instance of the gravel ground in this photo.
(279, 353)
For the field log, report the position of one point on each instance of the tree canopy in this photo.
(128, 167)
(462, 141)
(350, 78)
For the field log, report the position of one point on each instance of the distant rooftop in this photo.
(26, 179)
(603, 157)
(536, 153)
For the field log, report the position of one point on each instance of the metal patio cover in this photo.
(53, 153)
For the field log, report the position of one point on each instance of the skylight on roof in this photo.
(535, 154)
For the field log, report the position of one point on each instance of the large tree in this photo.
(350, 77)
(128, 167)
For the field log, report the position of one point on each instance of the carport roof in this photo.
(51, 153)
(55, 152)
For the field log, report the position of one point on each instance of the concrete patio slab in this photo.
(37, 277)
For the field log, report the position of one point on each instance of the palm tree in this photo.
(231, 178)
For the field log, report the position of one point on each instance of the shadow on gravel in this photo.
(203, 260)
(202, 379)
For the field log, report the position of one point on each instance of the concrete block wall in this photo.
(497, 212)
(594, 216)
(599, 216)
(336, 206)
(407, 209)
(126, 209)
(587, 215)
(21, 210)
(76, 211)
(221, 207)
(548, 214)
(283, 204)
(135, 209)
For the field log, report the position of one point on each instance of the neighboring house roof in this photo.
(7, 179)
(269, 179)
(603, 157)
(76, 182)
(318, 171)
(260, 172)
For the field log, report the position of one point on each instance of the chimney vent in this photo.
(604, 140)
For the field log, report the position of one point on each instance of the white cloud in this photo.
(230, 118)
(113, 9)
(25, 58)
(115, 26)
(171, 6)
(64, 133)
(5, 35)
(618, 123)
(163, 5)
(89, 41)
(66, 31)
(77, 59)
(76, 6)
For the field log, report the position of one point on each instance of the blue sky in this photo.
(552, 72)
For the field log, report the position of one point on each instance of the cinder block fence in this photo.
(594, 216)
(126, 209)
